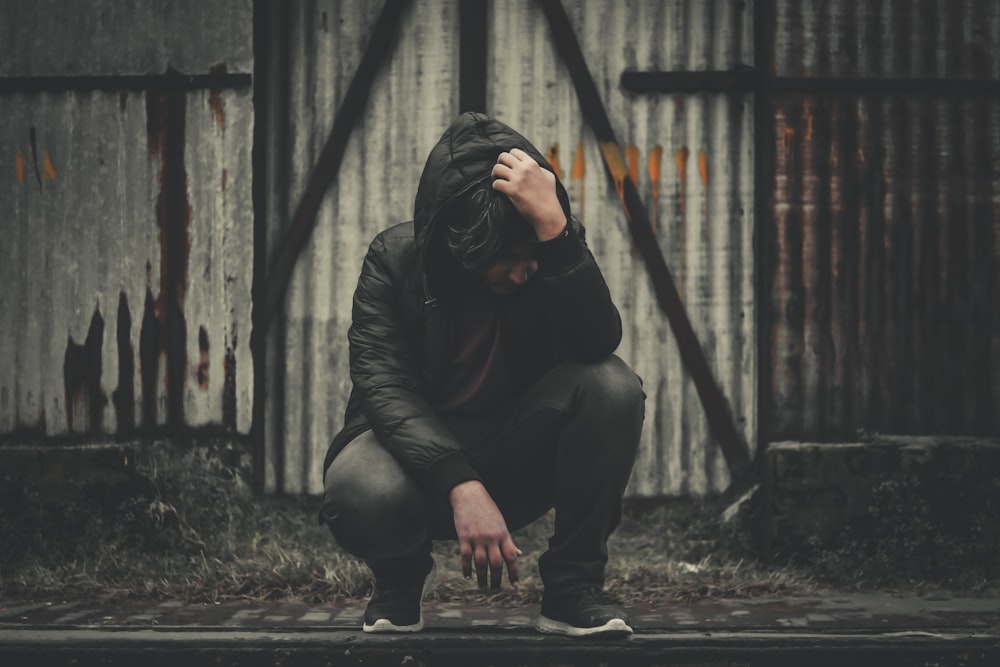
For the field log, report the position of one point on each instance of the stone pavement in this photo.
(833, 629)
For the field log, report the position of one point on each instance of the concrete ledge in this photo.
(163, 646)
(816, 490)
(838, 629)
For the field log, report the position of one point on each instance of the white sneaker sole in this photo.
(384, 625)
(616, 628)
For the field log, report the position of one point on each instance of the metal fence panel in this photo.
(883, 308)
(71, 38)
(693, 158)
(412, 100)
(88, 222)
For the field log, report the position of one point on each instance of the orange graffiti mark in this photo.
(655, 161)
(681, 157)
(552, 155)
(703, 172)
(632, 157)
(579, 162)
(19, 165)
(48, 171)
(616, 165)
(578, 172)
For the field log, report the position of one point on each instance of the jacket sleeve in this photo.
(383, 368)
(578, 305)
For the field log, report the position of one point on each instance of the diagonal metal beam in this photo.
(720, 420)
(325, 171)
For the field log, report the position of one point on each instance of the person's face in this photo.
(511, 269)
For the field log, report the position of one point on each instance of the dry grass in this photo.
(201, 535)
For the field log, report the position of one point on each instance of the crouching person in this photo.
(485, 391)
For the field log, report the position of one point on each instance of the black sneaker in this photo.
(395, 606)
(585, 613)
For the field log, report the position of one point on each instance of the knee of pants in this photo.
(371, 506)
(611, 388)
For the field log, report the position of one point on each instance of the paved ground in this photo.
(835, 629)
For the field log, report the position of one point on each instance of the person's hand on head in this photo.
(532, 190)
(483, 538)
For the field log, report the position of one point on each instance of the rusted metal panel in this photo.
(694, 166)
(70, 38)
(884, 301)
(412, 100)
(128, 233)
(887, 38)
(883, 290)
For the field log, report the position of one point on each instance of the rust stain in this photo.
(655, 161)
(165, 126)
(19, 165)
(215, 101)
(218, 106)
(578, 172)
(225, 178)
(681, 158)
(48, 171)
(552, 155)
(201, 372)
(82, 376)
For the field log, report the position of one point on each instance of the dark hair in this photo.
(481, 224)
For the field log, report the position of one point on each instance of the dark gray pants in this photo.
(569, 442)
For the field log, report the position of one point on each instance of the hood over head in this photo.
(464, 156)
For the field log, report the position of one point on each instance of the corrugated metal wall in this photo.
(127, 221)
(699, 146)
(413, 98)
(694, 166)
(884, 295)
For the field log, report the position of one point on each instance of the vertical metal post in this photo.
(472, 55)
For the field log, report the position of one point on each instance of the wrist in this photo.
(464, 490)
(551, 227)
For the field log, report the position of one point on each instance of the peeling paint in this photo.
(82, 376)
(201, 371)
(123, 396)
(165, 122)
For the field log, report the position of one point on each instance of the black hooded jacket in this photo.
(404, 324)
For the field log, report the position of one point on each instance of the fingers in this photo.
(481, 560)
(496, 568)
(510, 552)
(466, 555)
(489, 561)
(502, 172)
